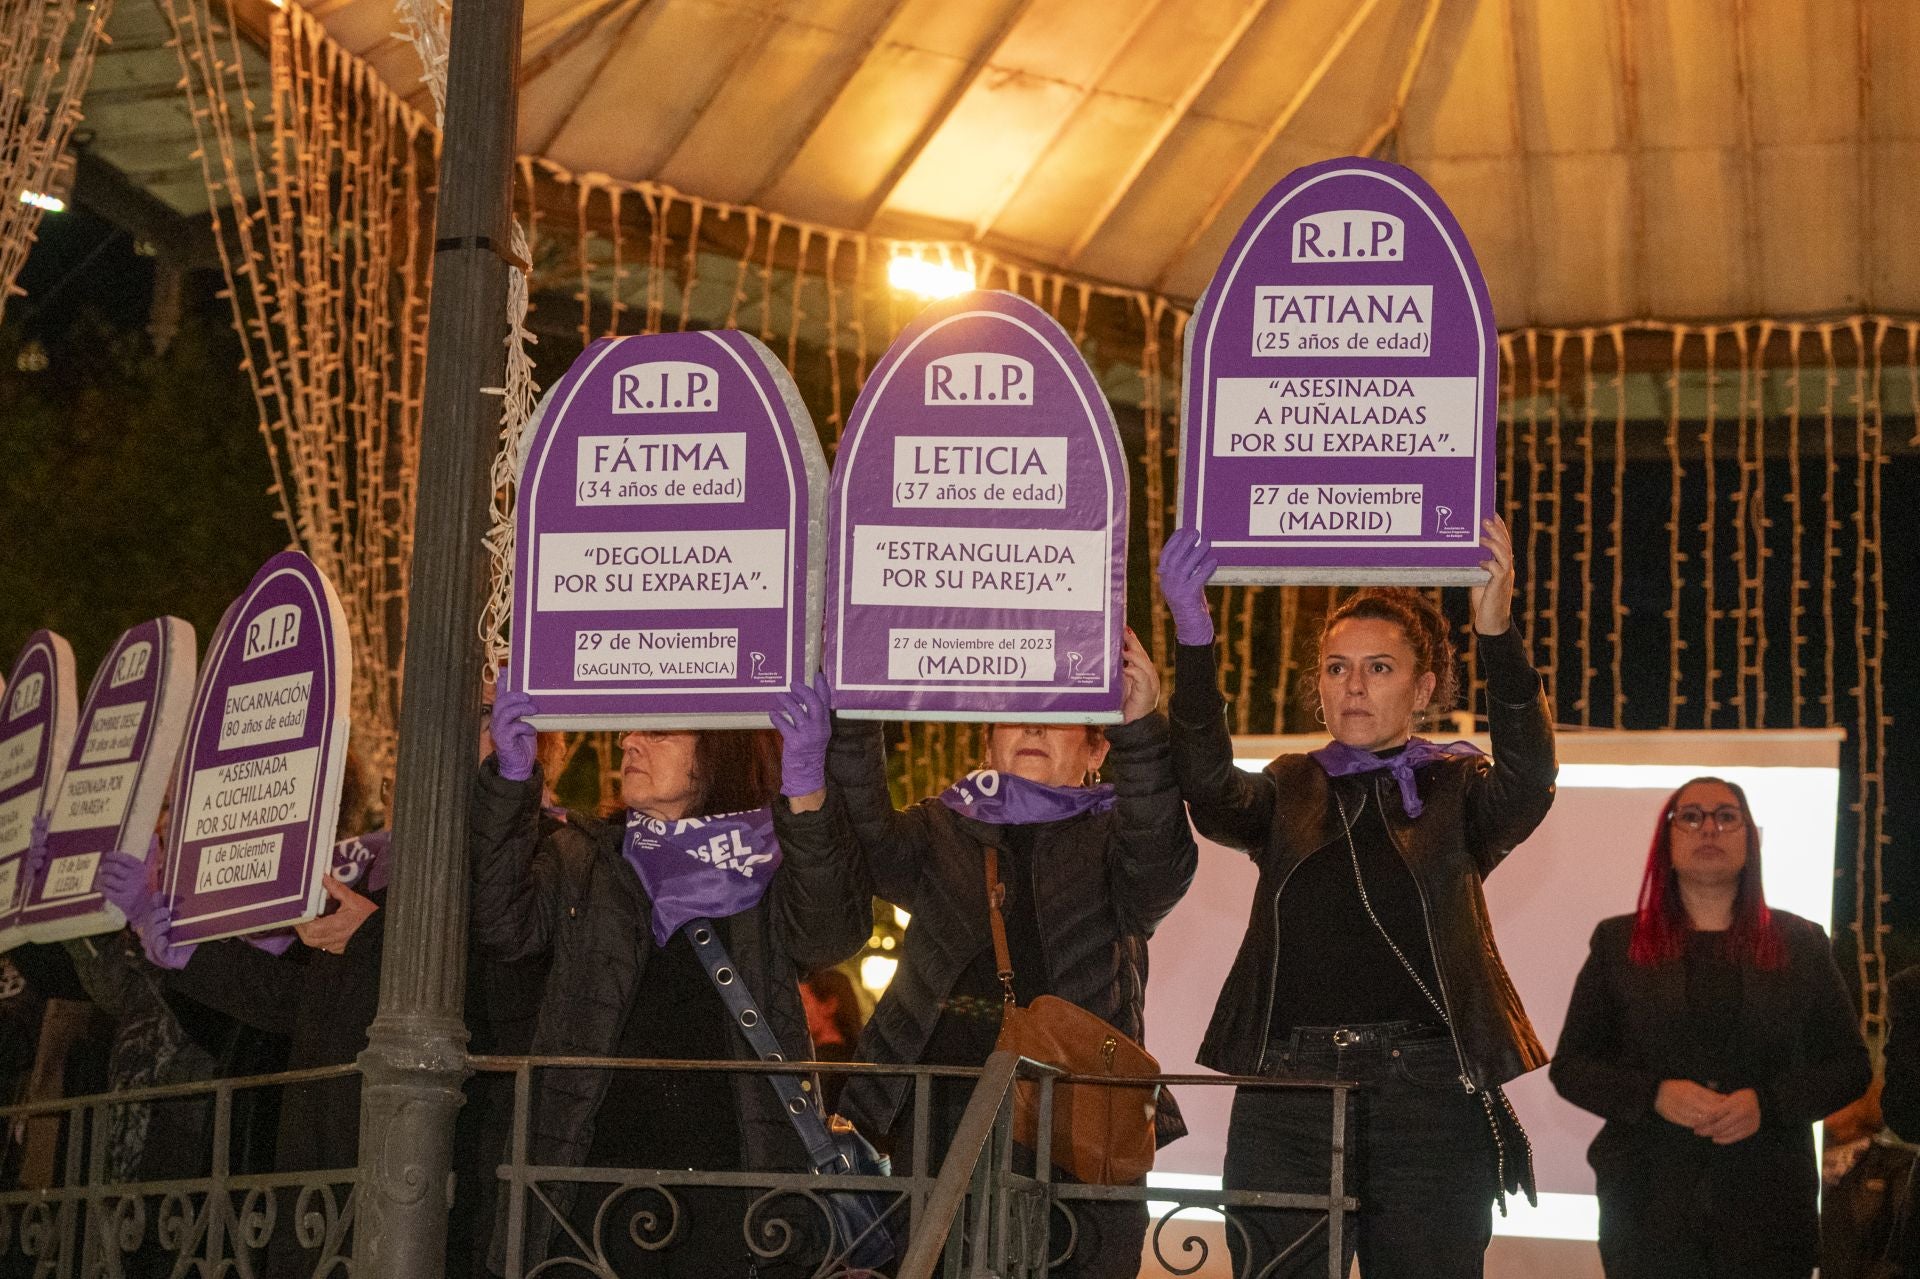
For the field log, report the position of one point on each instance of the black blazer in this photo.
(1900, 1090)
(1797, 1046)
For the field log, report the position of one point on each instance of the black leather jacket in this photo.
(1102, 884)
(1476, 810)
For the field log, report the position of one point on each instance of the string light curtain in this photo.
(327, 255)
(1698, 509)
(45, 64)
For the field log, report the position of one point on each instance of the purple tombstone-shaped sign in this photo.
(36, 732)
(116, 777)
(1340, 381)
(257, 798)
(668, 560)
(978, 526)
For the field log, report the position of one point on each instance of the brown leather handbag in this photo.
(1102, 1133)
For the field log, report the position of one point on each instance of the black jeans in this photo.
(1420, 1156)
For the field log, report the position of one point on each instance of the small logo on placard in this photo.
(762, 673)
(1079, 672)
(1443, 523)
(273, 631)
(979, 377)
(1349, 235)
(666, 386)
(131, 664)
(27, 694)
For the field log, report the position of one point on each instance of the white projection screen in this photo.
(1583, 864)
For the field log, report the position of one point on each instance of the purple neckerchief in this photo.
(1004, 799)
(1340, 760)
(701, 867)
(360, 863)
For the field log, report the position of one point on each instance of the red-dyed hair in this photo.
(1661, 927)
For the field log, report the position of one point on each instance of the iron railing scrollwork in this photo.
(225, 1223)
(989, 1208)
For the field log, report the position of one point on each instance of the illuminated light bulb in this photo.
(928, 279)
(40, 200)
(876, 971)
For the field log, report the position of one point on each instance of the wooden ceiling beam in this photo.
(560, 35)
(984, 223)
(633, 10)
(750, 47)
(1176, 111)
(976, 67)
(824, 107)
(1274, 129)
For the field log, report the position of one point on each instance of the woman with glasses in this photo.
(1710, 1033)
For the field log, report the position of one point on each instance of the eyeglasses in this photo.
(1695, 820)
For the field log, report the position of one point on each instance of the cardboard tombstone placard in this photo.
(256, 798)
(668, 558)
(978, 526)
(117, 775)
(1341, 388)
(36, 733)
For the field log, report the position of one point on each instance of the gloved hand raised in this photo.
(805, 723)
(156, 936)
(122, 880)
(1186, 562)
(34, 864)
(515, 741)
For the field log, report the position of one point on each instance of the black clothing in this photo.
(1324, 928)
(1101, 882)
(502, 1006)
(1900, 1087)
(594, 921)
(1476, 811)
(1713, 1001)
(1420, 1159)
(1675, 1204)
(666, 1118)
(323, 1003)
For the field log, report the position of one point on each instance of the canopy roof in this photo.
(1609, 159)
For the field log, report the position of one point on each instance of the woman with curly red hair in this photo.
(1710, 1032)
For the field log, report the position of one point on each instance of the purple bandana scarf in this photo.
(1002, 799)
(1341, 760)
(360, 863)
(701, 867)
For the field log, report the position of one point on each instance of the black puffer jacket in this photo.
(1103, 882)
(595, 921)
(1476, 810)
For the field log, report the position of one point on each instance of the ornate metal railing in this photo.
(989, 1209)
(91, 1226)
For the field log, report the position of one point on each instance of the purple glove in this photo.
(277, 942)
(805, 725)
(155, 931)
(122, 880)
(515, 742)
(35, 863)
(1186, 562)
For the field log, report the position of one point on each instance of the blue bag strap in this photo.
(796, 1098)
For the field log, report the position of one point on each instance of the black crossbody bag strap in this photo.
(796, 1092)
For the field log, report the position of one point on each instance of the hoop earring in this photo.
(1320, 714)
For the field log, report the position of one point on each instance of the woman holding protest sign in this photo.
(1087, 871)
(1371, 852)
(626, 980)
